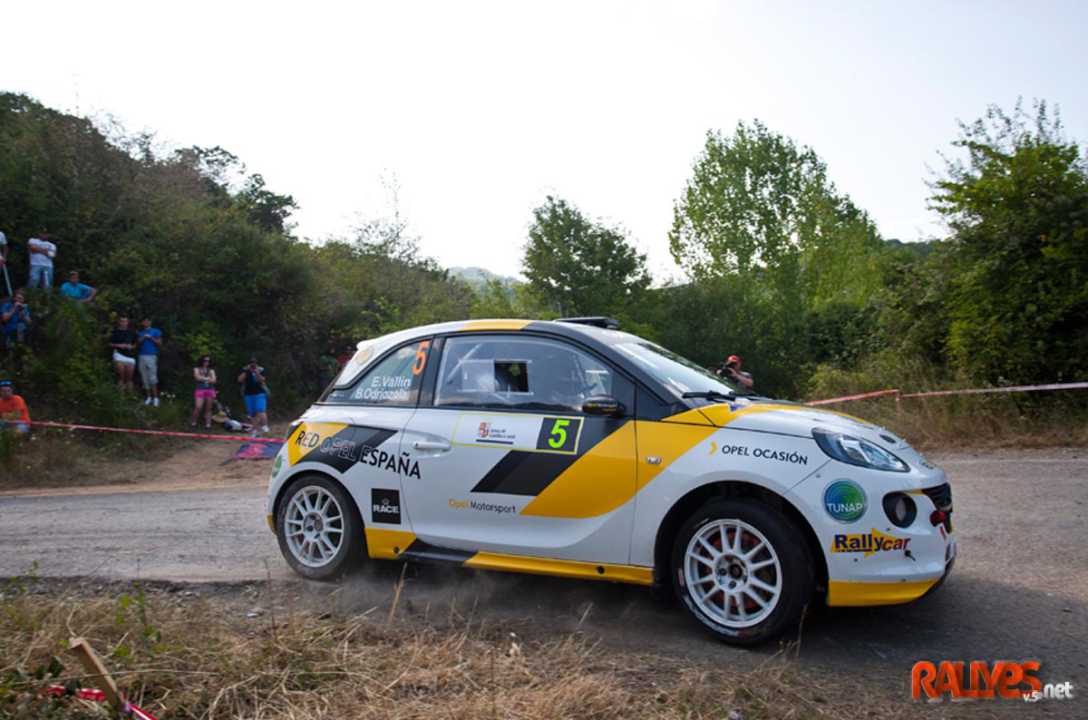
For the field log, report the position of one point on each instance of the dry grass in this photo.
(979, 421)
(58, 458)
(181, 656)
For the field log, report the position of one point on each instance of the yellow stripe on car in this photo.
(721, 414)
(309, 436)
(601, 480)
(636, 575)
(473, 325)
(855, 593)
(598, 482)
(387, 544)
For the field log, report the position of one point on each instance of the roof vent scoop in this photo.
(595, 320)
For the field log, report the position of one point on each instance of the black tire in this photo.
(794, 561)
(351, 550)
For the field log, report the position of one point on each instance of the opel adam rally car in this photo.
(570, 448)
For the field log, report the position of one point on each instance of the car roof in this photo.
(568, 329)
(369, 350)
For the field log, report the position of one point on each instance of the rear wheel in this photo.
(319, 529)
(742, 570)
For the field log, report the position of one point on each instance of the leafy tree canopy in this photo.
(1015, 196)
(580, 267)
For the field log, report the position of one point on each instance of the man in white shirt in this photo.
(42, 253)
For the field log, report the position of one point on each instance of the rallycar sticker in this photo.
(868, 543)
(526, 433)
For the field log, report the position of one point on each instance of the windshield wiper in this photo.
(710, 395)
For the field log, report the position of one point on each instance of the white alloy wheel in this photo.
(732, 573)
(314, 526)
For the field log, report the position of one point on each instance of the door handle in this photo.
(431, 445)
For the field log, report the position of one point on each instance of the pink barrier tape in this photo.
(938, 393)
(1015, 388)
(847, 398)
(161, 433)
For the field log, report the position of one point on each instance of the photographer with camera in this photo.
(731, 372)
(255, 391)
(14, 320)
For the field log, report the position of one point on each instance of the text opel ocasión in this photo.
(570, 448)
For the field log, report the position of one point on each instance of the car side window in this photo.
(508, 372)
(395, 380)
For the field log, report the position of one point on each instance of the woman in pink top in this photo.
(204, 395)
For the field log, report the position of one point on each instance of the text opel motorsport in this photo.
(563, 448)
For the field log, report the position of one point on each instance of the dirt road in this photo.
(1019, 589)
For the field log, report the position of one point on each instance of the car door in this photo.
(355, 434)
(510, 461)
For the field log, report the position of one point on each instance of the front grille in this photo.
(941, 495)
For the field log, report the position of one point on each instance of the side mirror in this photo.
(602, 405)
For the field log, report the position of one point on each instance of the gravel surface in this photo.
(1019, 589)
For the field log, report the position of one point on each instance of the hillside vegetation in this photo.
(782, 267)
(192, 240)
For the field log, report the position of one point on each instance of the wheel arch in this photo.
(287, 481)
(683, 508)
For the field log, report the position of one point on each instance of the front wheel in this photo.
(742, 570)
(319, 528)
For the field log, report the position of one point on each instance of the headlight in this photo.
(855, 451)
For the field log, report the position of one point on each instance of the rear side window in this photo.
(395, 380)
(505, 372)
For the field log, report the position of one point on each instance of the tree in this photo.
(1016, 200)
(759, 203)
(581, 267)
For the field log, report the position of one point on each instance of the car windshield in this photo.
(677, 373)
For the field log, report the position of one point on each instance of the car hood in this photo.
(792, 418)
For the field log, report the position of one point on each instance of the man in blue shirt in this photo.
(76, 290)
(149, 342)
(14, 319)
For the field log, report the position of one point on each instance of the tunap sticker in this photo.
(845, 501)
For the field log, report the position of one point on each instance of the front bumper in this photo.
(871, 561)
(860, 593)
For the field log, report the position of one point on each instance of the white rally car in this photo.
(570, 448)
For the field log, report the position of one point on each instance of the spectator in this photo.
(253, 379)
(13, 413)
(42, 252)
(329, 367)
(147, 360)
(344, 357)
(76, 290)
(204, 396)
(123, 343)
(730, 371)
(14, 320)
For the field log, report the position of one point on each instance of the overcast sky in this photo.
(480, 110)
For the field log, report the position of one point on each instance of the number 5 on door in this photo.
(559, 434)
